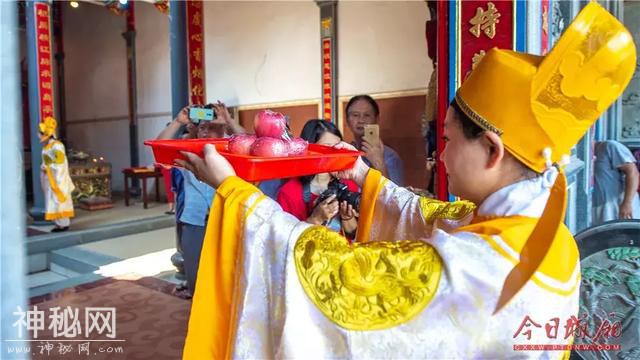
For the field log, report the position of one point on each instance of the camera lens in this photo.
(343, 194)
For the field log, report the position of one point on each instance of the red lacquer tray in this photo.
(319, 159)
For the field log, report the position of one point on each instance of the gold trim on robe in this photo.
(366, 286)
(433, 209)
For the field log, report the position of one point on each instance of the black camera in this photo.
(342, 193)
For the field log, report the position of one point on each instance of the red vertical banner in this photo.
(195, 50)
(483, 25)
(43, 54)
(327, 99)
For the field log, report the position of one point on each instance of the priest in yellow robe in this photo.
(55, 178)
(425, 279)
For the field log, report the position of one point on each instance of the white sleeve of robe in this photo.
(398, 216)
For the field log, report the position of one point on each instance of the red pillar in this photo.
(443, 93)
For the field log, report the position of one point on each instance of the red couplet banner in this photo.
(326, 79)
(483, 25)
(195, 49)
(43, 54)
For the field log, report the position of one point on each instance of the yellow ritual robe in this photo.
(56, 181)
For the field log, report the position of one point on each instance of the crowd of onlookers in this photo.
(615, 186)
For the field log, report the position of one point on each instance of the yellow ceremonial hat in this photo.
(542, 106)
(48, 126)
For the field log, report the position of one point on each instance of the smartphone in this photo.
(372, 134)
(197, 114)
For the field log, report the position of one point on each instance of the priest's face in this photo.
(464, 160)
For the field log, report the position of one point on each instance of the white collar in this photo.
(524, 198)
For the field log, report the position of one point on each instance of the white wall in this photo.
(95, 63)
(96, 82)
(262, 51)
(269, 51)
(153, 72)
(256, 53)
(382, 46)
(153, 60)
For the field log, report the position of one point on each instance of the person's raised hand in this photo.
(359, 170)
(324, 211)
(374, 153)
(222, 114)
(347, 212)
(223, 117)
(183, 116)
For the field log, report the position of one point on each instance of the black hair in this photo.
(314, 128)
(473, 131)
(366, 98)
(470, 129)
(312, 131)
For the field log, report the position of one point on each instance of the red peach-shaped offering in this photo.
(297, 146)
(241, 144)
(269, 147)
(269, 123)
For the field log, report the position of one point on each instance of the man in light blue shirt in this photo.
(197, 200)
(615, 194)
(363, 110)
(197, 196)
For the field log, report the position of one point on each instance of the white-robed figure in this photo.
(425, 279)
(54, 177)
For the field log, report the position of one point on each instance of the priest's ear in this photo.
(494, 147)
